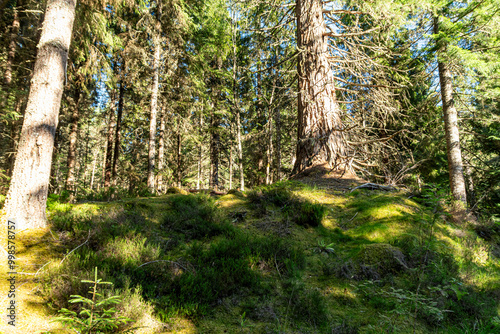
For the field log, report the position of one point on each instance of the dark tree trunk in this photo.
(109, 146)
(455, 165)
(319, 137)
(73, 137)
(117, 132)
(12, 50)
(27, 197)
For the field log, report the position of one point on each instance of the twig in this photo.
(64, 258)
(374, 186)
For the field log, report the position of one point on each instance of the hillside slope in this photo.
(286, 258)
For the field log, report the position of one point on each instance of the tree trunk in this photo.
(455, 166)
(231, 165)
(278, 145)
(154, 111)
(27, 197)
(12, 50)
(214, 151)
(109, 146)
(200, 152)
(320, 138)
(117, 131)
(73, 137)
(161, 151)
(179, 153)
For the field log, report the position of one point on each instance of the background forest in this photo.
(241, 100)
(204, 94)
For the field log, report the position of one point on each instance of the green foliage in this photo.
(194, 217)
(299, 211)
(96, 314)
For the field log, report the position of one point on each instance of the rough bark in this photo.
(455, 165)
(152, 119)
(161, 152)
(117, 140)
(73, 137)
(278, 144)
(27, 197)
(320, 137)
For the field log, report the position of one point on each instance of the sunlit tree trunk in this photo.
(117, 140)
(214, 150)
(152, 119)
(455, 165)
(200, 153)
(161, 151)
(27, 196)
(319, 138)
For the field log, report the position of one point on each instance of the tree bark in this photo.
(278, 144)
(200, 152)
(73, 137)
(320, 137)
(455, 165)
(161, 151)
(119, 115)
(27, 197)
(154, 111)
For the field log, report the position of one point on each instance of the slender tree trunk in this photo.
(269, 151)
(200, 152)
(236, 104)
(231, 165)
(94, 163)
(73, 137)
(109, 146)
(154, 111)
(27, 197)
(117, 132)
(319, 136)
(12, 50)
(161, 151)
(214, 151)
(455, 165)
(179, 153)
(278, 144)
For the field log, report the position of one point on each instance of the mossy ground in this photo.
(247, 263)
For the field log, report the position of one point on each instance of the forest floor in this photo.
(294, 257)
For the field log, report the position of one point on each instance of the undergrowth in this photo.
(369, 262)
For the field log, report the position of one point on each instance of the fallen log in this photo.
(207, 191)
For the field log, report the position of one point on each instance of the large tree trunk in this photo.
(161, 152)
(154, 111)
(319, 131)
(73, 137)
(455, 166)
(119, 115)
(27, 197)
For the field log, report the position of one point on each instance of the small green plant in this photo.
(323, 247)
(97, 314)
